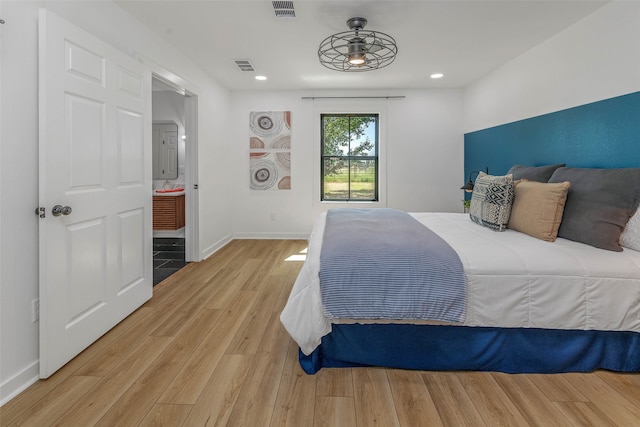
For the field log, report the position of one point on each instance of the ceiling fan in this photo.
(357, 49)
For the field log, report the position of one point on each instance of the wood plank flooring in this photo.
(209, 350)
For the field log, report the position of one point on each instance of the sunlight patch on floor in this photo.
(300, 256)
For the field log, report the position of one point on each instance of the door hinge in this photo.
(41, 212)
(195, 186)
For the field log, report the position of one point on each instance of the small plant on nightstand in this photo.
(466, 204)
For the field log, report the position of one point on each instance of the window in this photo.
(349, 168)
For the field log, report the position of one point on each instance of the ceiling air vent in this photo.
(244, 65)
(283, 9)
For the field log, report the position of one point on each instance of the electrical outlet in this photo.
(35, 310)
(273, 216)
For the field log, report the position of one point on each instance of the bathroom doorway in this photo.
(174, 188)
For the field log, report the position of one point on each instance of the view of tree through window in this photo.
(349, 157)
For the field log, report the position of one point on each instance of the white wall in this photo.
(19, 170)
(421, 145)
(594, 59)
(19, 161)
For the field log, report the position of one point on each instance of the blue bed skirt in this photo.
(447, 348)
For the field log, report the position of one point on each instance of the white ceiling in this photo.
(462, 39)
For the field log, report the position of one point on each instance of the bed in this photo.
(532, 306)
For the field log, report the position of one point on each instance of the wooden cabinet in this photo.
(168, 212)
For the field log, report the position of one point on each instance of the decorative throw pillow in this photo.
(537, 208)
(533, 173)
(599, 204)
(630, 237)
(491, 201)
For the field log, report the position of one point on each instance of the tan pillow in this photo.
(537, 208)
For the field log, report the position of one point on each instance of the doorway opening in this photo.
(175, 201)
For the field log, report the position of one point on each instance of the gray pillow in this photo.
(533, 173)
(599, 204)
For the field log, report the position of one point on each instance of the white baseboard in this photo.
(216, 246)
(19, 382)
(247, 236)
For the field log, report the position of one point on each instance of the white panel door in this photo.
(165, 151)
(95, 189)
(170, 140)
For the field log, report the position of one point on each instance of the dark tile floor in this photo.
(168, 257)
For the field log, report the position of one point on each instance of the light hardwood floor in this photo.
(209, 349)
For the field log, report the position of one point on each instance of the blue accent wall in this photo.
(603, 134)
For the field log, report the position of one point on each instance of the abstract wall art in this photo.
(270, 150)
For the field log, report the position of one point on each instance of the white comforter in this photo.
(513, 280)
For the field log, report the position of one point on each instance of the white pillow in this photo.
(630, 237)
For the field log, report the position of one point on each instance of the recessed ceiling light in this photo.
(437, 75)
(261, 77)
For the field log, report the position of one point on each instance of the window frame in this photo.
(349, 158)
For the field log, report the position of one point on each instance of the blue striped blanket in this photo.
(384, 264)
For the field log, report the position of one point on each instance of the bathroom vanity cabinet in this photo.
(168, 212)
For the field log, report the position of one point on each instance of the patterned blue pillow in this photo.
(491, 201)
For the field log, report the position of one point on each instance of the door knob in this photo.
(60, 210)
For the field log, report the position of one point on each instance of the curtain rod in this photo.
(354, 97)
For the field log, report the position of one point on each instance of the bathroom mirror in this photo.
(165, 150)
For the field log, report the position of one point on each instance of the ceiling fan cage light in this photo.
(358, 58)
(358, 49)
